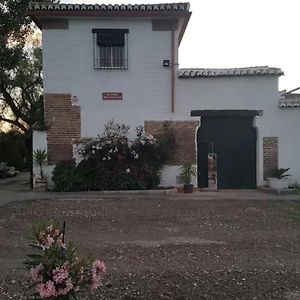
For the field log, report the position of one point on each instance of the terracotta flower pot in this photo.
(41, 185)
(188, 188)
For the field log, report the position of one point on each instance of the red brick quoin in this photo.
(64, 126)
(185, 136)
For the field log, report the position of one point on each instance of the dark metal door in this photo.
(235, 138)
(202, 164)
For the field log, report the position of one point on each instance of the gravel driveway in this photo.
(167, 248)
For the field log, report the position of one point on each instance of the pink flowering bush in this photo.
(55, 269)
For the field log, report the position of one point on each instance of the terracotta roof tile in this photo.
(250, 71)
(40, 6)
(289, 100)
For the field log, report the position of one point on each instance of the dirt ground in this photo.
(166, 247)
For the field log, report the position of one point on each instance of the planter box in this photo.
(278, 184)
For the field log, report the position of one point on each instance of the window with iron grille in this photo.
(110, 48)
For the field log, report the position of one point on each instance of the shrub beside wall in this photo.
(15, 149)
(114, 162)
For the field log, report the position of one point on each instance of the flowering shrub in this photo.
(56, 271)
(114, 162)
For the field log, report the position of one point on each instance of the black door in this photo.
(235, 140)
(202, 164)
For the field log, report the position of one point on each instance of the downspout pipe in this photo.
(173, 69)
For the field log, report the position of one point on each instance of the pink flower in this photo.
(98, 268)
(46, 290)
(49, 241)
(59, 241)
(46, 241)
(35, 272)
(60, 274)
(67, 288)
(95, 283)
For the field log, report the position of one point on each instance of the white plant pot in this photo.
(278, 184)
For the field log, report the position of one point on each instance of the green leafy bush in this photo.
(15, 149)
(64, 176)
(279, 173)
(113, 162)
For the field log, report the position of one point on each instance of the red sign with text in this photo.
(112, 96)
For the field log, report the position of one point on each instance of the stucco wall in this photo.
(257, 93)
(68, 68)
(39, 140)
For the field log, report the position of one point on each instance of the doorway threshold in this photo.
(208, 190)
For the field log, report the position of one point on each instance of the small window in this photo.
(110, 48)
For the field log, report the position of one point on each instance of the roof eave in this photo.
(112, 13)
(37, 15)
(184, 26)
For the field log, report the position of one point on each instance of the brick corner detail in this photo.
(64, 123)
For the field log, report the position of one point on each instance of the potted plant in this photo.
(278, 179)
(39, 159)
(187, 172)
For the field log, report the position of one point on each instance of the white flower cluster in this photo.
(145, 138)
(134, 154)
(97, 147)
(113, 137)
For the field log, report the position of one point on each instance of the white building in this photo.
(103, 62)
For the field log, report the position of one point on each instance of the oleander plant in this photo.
(113, 161)
(55, 269)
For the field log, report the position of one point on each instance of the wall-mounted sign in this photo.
(112, 96)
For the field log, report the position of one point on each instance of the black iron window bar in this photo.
(110, 48)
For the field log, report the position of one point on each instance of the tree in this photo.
(21, 103)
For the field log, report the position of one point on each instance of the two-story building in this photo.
(120, 62)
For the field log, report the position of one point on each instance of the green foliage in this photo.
(187, 172)
(15, 149)
(39, 159)
(64, 176)
(279, 173)
(40, 156)
(113, 162)
(21, 102)
(20, 69)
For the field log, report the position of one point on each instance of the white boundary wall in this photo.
(39, 141)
